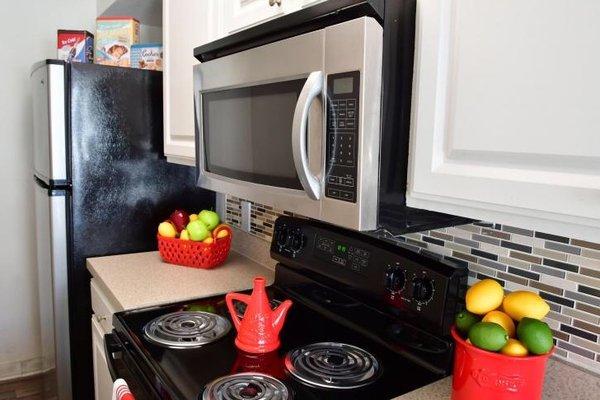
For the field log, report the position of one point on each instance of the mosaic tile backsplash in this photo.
(564, 271)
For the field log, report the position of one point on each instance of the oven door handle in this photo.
(312, 88)
(112, 349)
(122, 365)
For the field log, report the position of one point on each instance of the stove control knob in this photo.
(395, 278)
(296, 241)
(281, 237)
(422, 289)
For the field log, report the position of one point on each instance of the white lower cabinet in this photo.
(102, 380)
(505, 123)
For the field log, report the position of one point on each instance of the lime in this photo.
(535, 335)
(200, 307)
(488, 336)
(465, 320)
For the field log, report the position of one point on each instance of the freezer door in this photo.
(51, 238)
(49, 123)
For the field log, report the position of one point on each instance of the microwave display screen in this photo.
(246, 133)
(343, 85)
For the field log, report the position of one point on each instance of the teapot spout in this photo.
(279, 315)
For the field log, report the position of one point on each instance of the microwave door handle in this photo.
(312, 88)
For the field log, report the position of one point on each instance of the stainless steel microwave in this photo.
(296, 123)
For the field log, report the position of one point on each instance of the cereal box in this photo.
(75, 46)
(147, 56)
(114, 38)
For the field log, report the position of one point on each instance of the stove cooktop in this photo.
(183, 373)
(369, 320)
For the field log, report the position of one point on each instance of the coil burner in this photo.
(186, 329)
(246, 386)
(332, 365)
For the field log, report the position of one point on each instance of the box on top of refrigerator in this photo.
(75, 46)
(147, 56)
(114, 38)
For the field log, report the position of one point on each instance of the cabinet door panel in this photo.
(102, 380)
(505, 112)
(245, 13)
(186, 24)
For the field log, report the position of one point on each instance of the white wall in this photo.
(28, 34)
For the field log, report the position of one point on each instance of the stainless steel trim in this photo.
(49, 122)
(255, 83)
(312, 88)
(221, 204)
(358, 45)
(52, 264)
(246, 222)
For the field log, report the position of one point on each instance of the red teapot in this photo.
(258, 331)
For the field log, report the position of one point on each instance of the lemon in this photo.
(184, 235)
(501, 319)
(522, 304)
(484, 296)
(166, 229)
(514, 348)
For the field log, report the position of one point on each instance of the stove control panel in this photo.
(392, 278)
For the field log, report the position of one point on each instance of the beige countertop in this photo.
(562, 382)
(143, 279)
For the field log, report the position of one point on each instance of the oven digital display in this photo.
(343, 85)
(344, 254)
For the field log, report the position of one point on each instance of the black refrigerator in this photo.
(102, 185)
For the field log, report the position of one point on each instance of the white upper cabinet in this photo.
(186, 25)
(242, 14)
(245, 13)
(506, 113)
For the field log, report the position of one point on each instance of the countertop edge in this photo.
(120, 304)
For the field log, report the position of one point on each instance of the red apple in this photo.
(180, 219)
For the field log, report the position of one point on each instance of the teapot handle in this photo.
(229, 297)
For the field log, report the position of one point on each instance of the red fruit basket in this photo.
(196, 254)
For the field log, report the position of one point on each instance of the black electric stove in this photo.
(369, 320)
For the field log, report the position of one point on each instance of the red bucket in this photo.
(480, 374)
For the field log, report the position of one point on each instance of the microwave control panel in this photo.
(342, 135)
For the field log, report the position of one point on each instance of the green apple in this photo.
(197, 231)
(210, 218)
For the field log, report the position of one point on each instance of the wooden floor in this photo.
(29, 388)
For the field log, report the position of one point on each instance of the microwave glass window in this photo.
(343, 85)
(247, 133)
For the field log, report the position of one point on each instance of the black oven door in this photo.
(122, 364)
